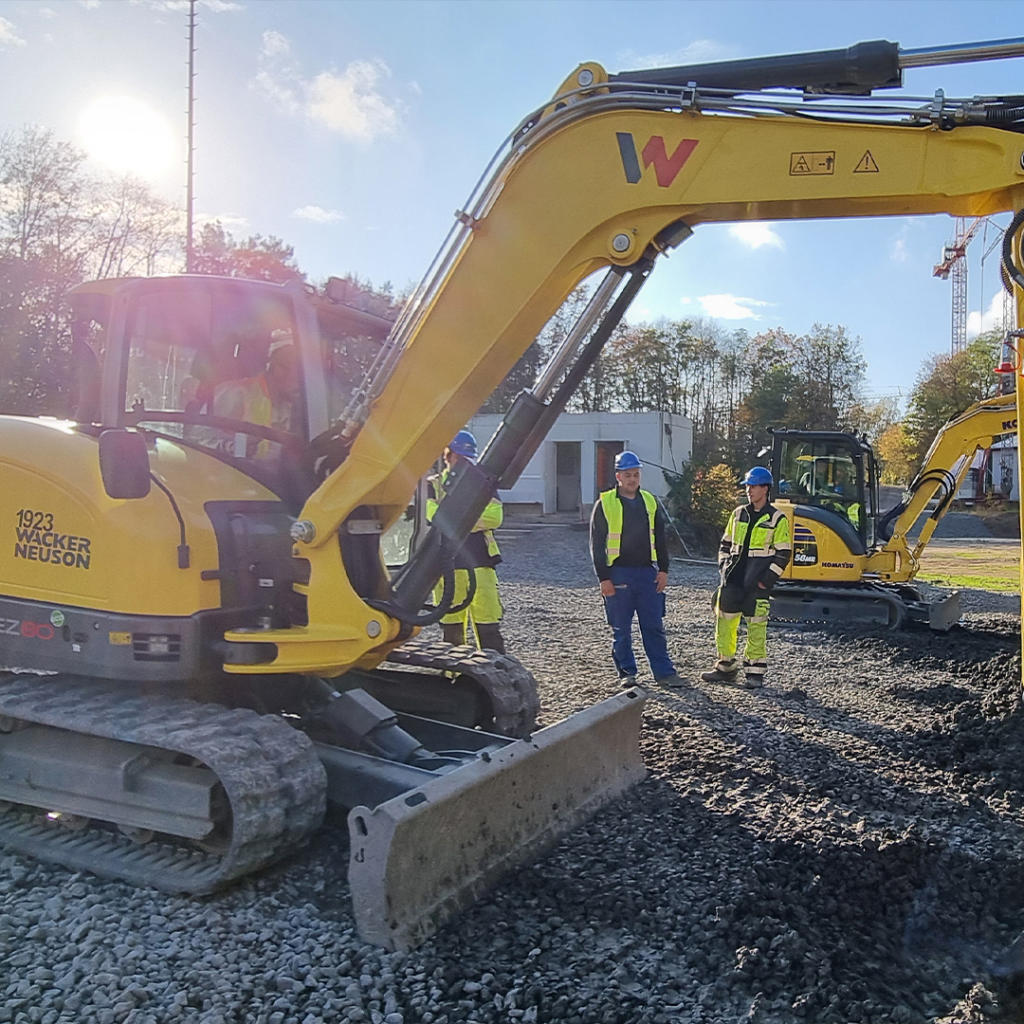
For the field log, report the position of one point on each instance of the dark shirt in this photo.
(635, 549)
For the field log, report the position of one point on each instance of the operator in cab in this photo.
(268, 399)
(479, 554)
(754, 552)
(630, 553)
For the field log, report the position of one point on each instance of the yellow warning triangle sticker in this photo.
(866, 164)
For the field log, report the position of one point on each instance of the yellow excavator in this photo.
(852, 561)
(202, 642)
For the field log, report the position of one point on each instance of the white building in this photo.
(576, 461)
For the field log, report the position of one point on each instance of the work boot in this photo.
(627, 680)
(490, 637)
(752, 682)
(673, 681)
(453, 633)
(716, 675)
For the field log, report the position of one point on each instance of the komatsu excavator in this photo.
(853, 562)
(202, 640)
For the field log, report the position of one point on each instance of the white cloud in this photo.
(351, 102)
(46, 12)
(898, 251)
(756, 235)
(990, 319)
(275, 44)
(731, 307)
(318, 215)
(8, 34)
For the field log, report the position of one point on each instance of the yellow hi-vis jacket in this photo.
(480, 549)
(612, 508)
(769, 550)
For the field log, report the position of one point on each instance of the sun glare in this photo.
(127, 136)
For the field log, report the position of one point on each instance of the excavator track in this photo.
(273, 782)
(511, 689)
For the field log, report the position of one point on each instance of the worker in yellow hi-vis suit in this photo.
(479, 555)
(754, 552)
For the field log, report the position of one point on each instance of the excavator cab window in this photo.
(827, 473)
(198, 357)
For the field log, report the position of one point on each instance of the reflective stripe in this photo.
(612, 507)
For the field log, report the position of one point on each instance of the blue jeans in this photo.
(635, 594)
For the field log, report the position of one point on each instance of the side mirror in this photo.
(124, 464)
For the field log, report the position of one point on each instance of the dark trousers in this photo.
(635, 594)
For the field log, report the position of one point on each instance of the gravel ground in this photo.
(844, 846)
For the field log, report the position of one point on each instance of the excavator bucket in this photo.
(419, 858)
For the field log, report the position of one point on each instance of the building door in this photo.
(567, 476)
(604, 469)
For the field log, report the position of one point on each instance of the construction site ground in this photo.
(845, 846)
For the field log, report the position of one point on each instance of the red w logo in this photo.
(665, 167)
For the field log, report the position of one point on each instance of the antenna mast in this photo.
(190, 154)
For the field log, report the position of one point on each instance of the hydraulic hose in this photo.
(1013, 271)
(444, 605)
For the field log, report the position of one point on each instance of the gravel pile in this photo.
(845, 846)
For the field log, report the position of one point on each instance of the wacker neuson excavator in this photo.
(852, 561)
(202, 641)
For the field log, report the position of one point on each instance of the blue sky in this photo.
(353, 131)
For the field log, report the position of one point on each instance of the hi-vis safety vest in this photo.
(612, 509)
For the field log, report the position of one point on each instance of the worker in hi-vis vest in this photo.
(627, 543)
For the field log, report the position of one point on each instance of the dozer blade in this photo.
(944, 614)
(420, 858)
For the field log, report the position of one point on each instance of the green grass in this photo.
(999, 584)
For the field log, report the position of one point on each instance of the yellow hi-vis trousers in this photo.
(727, 629)
(486, 604)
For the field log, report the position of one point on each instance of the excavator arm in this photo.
(609, 174)
(944, 469)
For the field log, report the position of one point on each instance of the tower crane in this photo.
(954, 263)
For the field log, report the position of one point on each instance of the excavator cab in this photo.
(830, 479)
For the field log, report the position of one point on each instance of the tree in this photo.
(896, 455)
(58, 227)
(948, 384)
(874, 418)
(263, 259)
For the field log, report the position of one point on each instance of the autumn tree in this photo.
(896, 454)
(948, 384)
(259, 258)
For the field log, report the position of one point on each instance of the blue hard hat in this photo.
(463, 443)
(757, 476)
(626, 460)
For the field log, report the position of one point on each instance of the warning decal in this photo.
(812, 163)
(866, 164)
